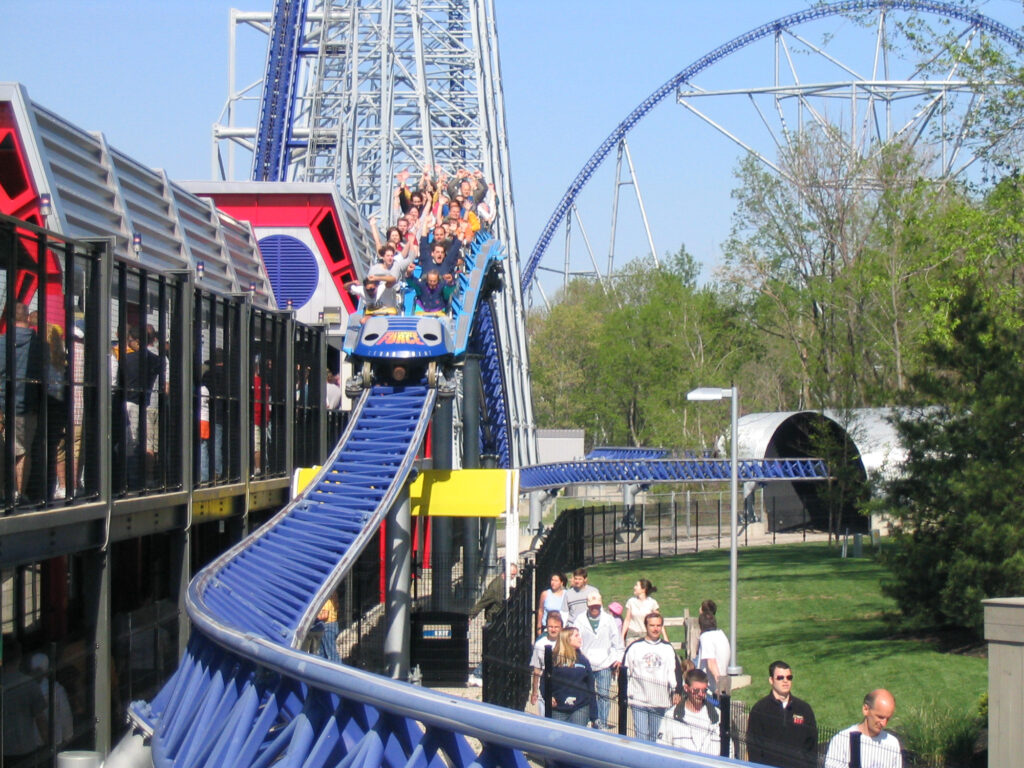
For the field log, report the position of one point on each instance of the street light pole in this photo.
(733, 393)
(734, 668)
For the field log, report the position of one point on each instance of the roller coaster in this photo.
(244, 693)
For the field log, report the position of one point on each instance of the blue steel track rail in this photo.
(617, 471)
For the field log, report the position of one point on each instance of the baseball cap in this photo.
(615, 608)
(594, 598)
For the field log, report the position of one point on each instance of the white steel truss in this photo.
(383, 86)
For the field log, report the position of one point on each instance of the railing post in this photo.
(545, 686)
(724, 724)
(623, 700)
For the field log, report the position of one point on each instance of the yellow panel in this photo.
(303, 477)
(460, 493)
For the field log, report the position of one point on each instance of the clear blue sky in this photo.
(152, 76)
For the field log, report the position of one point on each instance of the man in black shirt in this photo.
(781, 730)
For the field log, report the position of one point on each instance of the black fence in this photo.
(185, 376)
(508, 644)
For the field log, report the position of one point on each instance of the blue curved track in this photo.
(948, 10)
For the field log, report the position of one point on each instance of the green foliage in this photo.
(618, 358)
(940, 734)
(960, 502)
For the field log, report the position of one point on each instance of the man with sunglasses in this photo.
(781, 729)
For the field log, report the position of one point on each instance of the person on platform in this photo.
(19, 414)
(25, 718)
(781, 729)
(63, 722)
(867, 744)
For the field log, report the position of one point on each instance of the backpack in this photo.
(680, 713)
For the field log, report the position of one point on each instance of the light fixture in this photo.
(45, 205)
(732, 393)
(200, 269)
(320, 317)
(252, 287)
(288, 304)
(136, 242)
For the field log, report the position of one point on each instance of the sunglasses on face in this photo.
(783, 677)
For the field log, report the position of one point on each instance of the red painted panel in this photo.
(311, 212)
(19, 198)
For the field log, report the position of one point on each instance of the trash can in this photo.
(440, 646)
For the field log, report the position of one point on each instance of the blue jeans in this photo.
(329, 642)
(646, 722)
(602, 685)
(218, 451)
(204, 461)
(577, 716)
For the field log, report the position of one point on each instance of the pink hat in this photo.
(615, 608)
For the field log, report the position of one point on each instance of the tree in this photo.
(619, 359)
(959, 501)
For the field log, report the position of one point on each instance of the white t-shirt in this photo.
(638, 610)
(883, 751)
(713, 645)
(537, 659)
(695, 732)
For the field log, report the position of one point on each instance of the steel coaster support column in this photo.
(97, 587)
(399, 576)
(629, 494)
(536, 512)
(441, 527)
(489, 532)
(98, 564)
(471, 396)
(183, 350)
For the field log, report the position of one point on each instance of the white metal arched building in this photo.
(874, 445)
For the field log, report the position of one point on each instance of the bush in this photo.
(942, 735)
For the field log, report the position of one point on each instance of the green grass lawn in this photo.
(823, 615)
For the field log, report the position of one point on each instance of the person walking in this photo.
(867, 744)
(655, 678)
(781, 729)
(637, 607)
(552, 599)
(602, 645)
(571, 694)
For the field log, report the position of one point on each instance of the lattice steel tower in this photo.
(358, 90)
